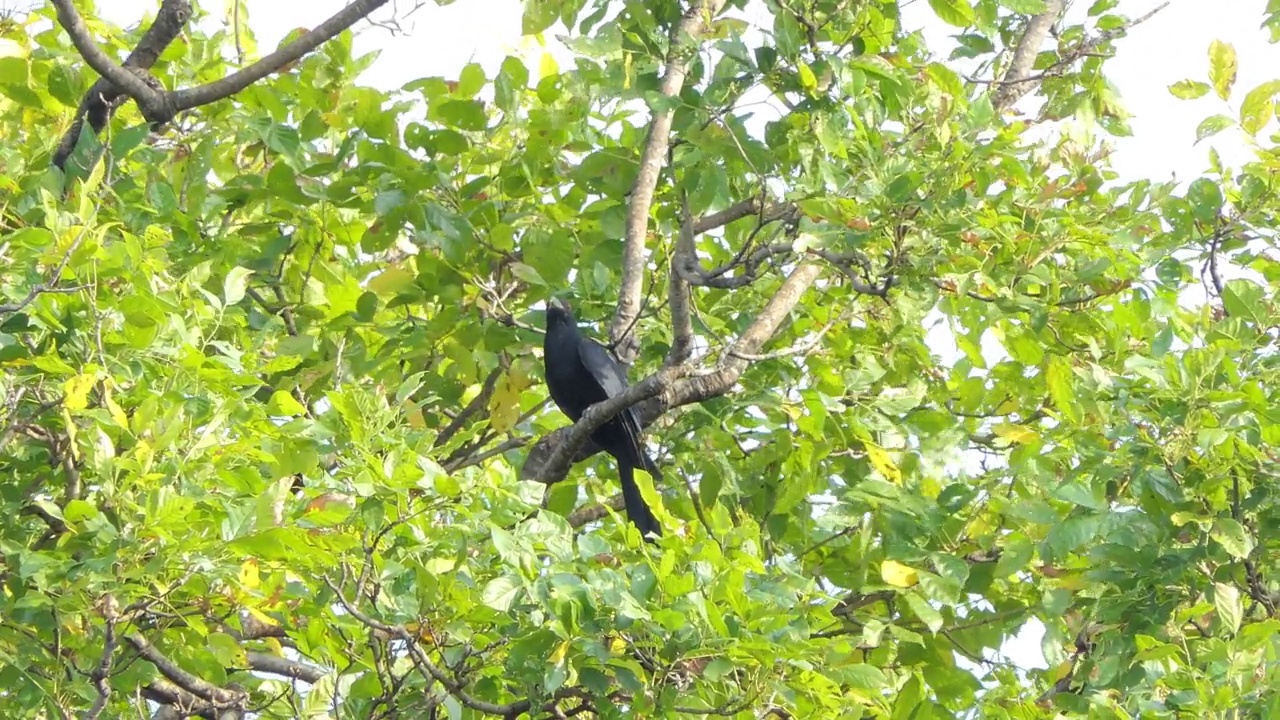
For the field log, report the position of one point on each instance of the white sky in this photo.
(1170, 47)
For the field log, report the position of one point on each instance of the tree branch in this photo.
(102, 673)
(590, 513)
(690, 269)
(148, 98)
(479, 401)
(1019, 80)
(746, 208)
(218, 697)
(433, 671)
(276, 665)
(678, 294)
(157, 105)
(234, 83)
(1016, 82)
(51, 286)
(682, 48)
(176, 703)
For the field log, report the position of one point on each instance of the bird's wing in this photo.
(613, 380)
(606, 371)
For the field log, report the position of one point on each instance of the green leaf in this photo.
(227, 650)
(947, 79)
(1025, 7)
(1246, 300)
(923, 610)
(471, 80)
(1258, 107)
(282, 403)
(1206, 199)
(1189, 89)
(64, 85)
(79, 510)
(1213, 125)
(512, 81)
(953, 12)
(538, 16)
(527, 274)
(864, 676)
(235, 284)
(366, 306)
(461, 114)
(1061, 382)
(1223, 66)
(500, 593)
(1226, 601)
(808, 80)
(128, 139)
(1233, 537)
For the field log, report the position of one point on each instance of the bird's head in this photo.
(559, 311)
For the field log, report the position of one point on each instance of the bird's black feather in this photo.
(581, 373)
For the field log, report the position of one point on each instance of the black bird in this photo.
(581, 373)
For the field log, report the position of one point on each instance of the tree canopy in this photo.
(277, 444)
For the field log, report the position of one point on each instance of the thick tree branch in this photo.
(746, 208)
(754, 206)
(157, 105)
(1019, 80)
(276, 665)
(104, 97)
(733, 362)
(681, 51)
(218, 697)
(678, 294)
(137, 88)
(234, 83)
(595, 511)
(176, 703)
(1016, 82)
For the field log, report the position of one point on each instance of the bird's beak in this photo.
(559, 303)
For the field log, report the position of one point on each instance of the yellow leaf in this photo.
(260, 616)
(561, 650)
(249, 577)
(274, 646)
(117, 413)
(617, 645)
(930, 487)
(413, 414)
(72, 431)
(157, 236)
(883, 464)
(504, 406)
(76, 391)
(1016, 433)
(897, 574)
(143, 453)
(548, 67)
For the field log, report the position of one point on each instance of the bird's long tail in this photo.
(637, 510)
